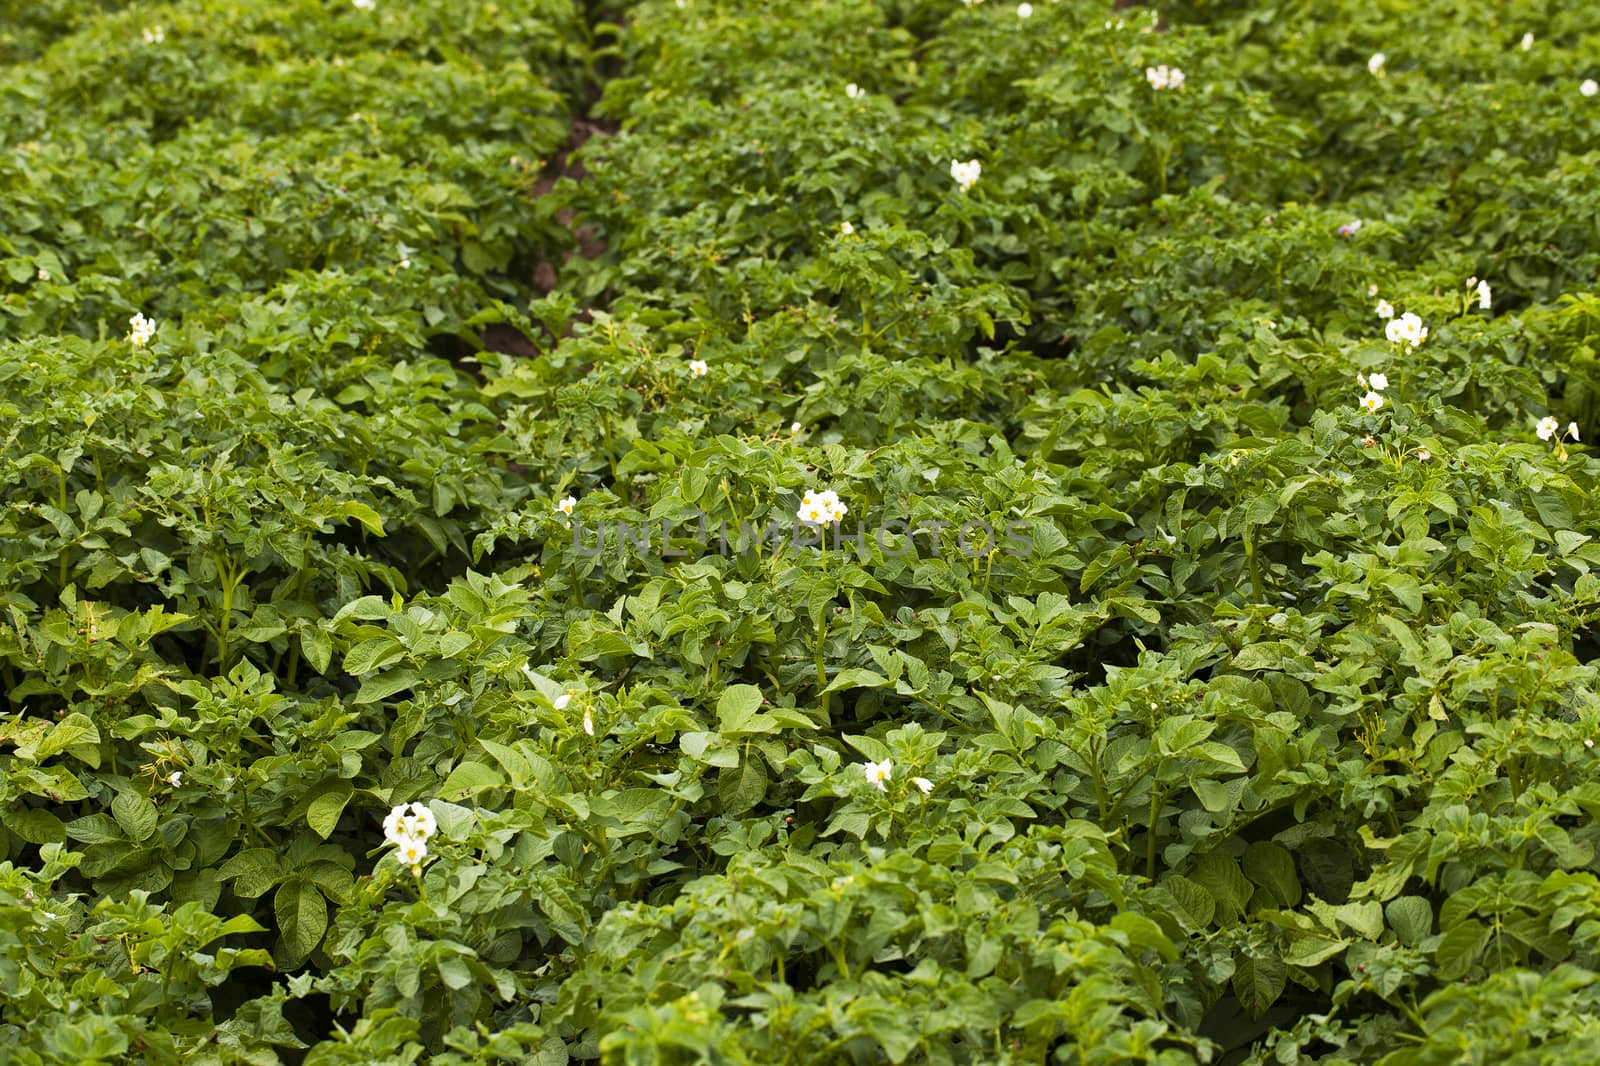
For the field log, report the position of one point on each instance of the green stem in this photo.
(1157, 799)
(1101, 798)
(1255, 566)
(228, 585)
(65, 549)
(822, 662)
(839, 960)
(294, 664)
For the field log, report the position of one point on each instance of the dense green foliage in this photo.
(1267, 738)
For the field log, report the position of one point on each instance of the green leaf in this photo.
(1213, 795)
(1329, 870)
(709, 748)
(1176, 735)
(253, 871)
(1271, 866)
(468, 779)
(1460, 947)
(302, 918)
(871, 747)
(381, 687)
(75, 733)
(454, 972)
(361, 513)
(373, 654)
(856, 677)
(1220, 876)
(35, 826)
(738, 711)
(95, 829)
(740, 789)
(1258, 982)
(322, 815)
(1145, 933)
(135, 814)
(1365, 917)
(512, 761)
(1196, 905)
(1411, 918)
(1310, 950)
(316, 645)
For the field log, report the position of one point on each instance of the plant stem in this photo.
(1157, 800)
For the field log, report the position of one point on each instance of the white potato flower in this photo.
(923, 783)
(588, 722)
(560, 702)
(697, 368)
(878, 774)
(153, 35)
(1484, 296)
(846, 228)
(1547, 427)
(854, 91)
(818, 508)
(1589, 88)
(140, 330)
(409, 821)
(1164, 77)
(1407, 329)
(1378, 382)
(411, 852)
(1385, 309)
(567, 504)
(966, 174)
(1527, 41)
(364, 5)
(1375, 64)
(1371, 402)
(1024, 10)
(1572, 430)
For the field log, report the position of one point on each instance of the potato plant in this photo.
(869, 531)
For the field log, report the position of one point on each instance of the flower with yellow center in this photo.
(140, 330)
(818, 508)
(966, 174)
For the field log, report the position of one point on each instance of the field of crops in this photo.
(833, 531)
